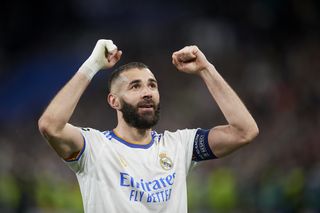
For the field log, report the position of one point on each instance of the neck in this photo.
(132, 134)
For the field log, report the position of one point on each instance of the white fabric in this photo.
(115, 177)
(97, 59)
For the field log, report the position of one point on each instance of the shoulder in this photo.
(91, 132)
(180, 134)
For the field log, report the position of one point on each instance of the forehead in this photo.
(130, 76)
(136, 74)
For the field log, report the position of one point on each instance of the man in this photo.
(132, 168)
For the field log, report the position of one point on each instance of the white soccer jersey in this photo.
(118, 177)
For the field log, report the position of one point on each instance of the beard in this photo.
(144, 120)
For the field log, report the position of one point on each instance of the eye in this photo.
(135, 86)
(153, 85)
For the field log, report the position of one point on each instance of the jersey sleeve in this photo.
(196, 146)
(187, 137)
(89, 152)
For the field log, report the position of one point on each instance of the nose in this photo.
(146, 93)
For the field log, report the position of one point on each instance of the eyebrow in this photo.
(138, 81)
(153, 80)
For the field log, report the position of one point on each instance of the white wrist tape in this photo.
(97, 59)
(89, 69)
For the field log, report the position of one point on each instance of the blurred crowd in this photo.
(267, 50)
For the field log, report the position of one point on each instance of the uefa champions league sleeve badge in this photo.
(165, 162)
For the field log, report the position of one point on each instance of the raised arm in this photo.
(64, 138)
(241, 127)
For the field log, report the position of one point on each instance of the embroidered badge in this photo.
(165, 162)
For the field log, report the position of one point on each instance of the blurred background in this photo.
(267, 50)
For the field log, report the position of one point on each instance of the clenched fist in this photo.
(190, 60)
(104, 55)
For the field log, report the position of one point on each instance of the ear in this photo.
(114, 101)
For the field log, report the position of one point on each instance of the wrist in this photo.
(89, 68)
(209, 68)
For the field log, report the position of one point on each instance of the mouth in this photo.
(146, 107)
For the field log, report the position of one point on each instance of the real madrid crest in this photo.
(165, 162)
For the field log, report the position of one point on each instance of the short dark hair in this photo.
(115, 74)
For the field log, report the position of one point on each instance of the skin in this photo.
(241, 128)
(134, 85)
(67, 140)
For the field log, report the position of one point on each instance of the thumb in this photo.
(114, 57)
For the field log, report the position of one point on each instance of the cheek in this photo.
(157, 98)
(130, 98)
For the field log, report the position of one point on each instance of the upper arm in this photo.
(225, 139)
(67, 143)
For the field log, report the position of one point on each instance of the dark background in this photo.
(267, 50)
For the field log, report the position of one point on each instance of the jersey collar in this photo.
(134, 145)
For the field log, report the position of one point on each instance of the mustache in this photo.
(146, 103)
